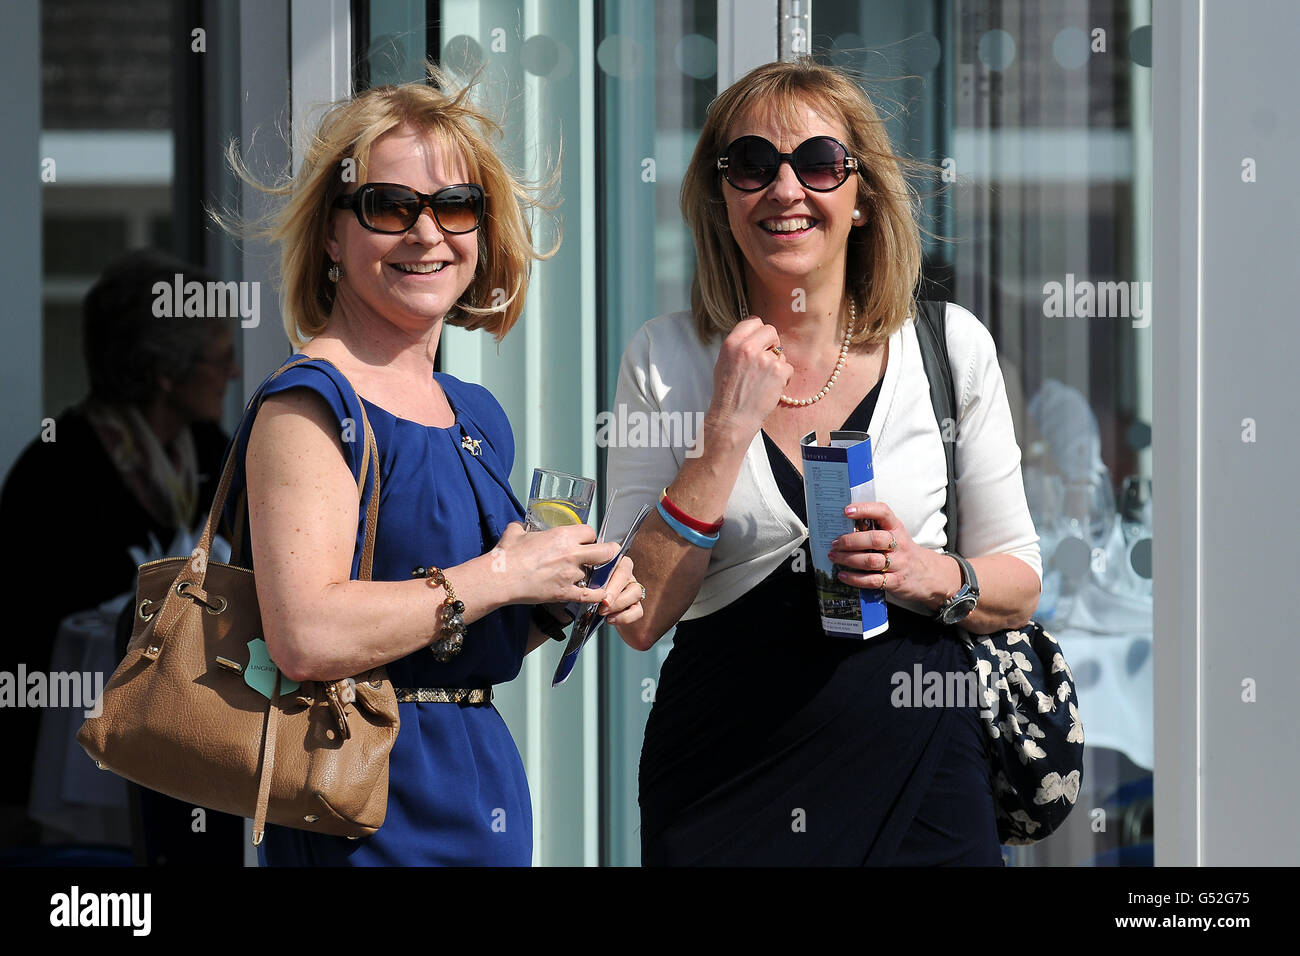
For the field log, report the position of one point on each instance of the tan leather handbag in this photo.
(197, 710)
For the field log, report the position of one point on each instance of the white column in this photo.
(747, 37)
(1226, 509)
(1176, 481)
(21, 359)
(264, 69)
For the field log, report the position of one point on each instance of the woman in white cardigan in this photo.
(769, 741)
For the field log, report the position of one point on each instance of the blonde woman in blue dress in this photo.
(374, 266)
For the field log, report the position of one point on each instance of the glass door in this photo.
(1039, 117)
(658, 73)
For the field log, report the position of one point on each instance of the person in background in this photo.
(132, 464)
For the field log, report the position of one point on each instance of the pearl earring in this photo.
(857, 215)
(335, 272)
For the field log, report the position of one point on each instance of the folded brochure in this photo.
(834, 476)
(589, 620)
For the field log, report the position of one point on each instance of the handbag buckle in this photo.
(339, 705)
(182, 589)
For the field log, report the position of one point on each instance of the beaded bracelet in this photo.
(689, 535)
(451, 626)
(703, 527)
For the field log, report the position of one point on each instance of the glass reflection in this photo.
(1040, 117)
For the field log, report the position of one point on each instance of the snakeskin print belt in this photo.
(443, 695)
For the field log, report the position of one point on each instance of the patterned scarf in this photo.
(164, 481)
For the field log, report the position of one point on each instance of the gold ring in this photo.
(882, 580)
(893, 542)
(887, 563)
(776, 348)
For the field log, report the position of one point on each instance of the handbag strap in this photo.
(241, 504)
(266, 772)
(194, 572)
(938, 369)
(268, 762)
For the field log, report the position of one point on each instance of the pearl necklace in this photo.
(839, 366)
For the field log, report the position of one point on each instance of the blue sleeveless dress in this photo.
(457, 794)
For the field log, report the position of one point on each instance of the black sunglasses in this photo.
(391, 208)
(751, 163)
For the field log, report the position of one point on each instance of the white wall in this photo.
(1227, 512)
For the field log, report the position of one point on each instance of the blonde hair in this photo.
(884, 256)
(494, 299)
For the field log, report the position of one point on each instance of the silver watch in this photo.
(957, 607)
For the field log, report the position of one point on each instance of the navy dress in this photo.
(770, 743)
(457, 794)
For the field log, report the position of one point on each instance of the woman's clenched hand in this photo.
(748, 377)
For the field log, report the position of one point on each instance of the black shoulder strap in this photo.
(938, 369)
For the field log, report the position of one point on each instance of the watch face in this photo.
(959, 609)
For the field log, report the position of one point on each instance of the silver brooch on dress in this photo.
(471, 445)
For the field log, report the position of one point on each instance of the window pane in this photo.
(106, 148)
(82, 246)
(1039, 115)
(657, 74)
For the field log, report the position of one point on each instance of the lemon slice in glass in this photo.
(553, 514)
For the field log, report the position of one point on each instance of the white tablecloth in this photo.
(69, 793)
(1106, 638)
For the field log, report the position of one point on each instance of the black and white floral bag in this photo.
(1028, 706)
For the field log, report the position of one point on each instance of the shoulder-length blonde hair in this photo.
(884, 256)
(337, 155)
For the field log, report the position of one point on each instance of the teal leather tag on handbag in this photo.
(261, 671)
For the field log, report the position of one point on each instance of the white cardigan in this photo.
(666, 368)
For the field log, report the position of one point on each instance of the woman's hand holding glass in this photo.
(548, 567)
